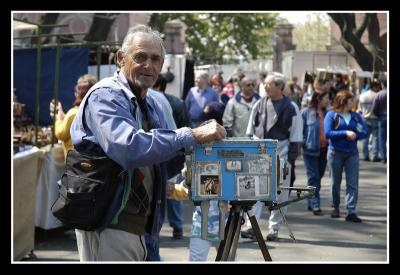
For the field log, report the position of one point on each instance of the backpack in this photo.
(359, 127)
(88, 187)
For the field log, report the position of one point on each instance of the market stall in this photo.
(25, 167)
(51, 170)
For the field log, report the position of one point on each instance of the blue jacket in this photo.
(311, 128)
(336, 131)
(111, 123)
(196, 101)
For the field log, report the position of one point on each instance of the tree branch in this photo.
(365, 20)
(375, 43)
(338, 19)
(351, 42)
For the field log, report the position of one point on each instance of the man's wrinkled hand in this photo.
(209, 132)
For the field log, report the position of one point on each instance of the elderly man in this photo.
(118, 118)
(275, 117)
(198, 97)
(237, 111)
(365, 105)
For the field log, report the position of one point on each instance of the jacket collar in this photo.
(238, 96)
(121, 79)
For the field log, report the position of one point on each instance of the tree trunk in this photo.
(369, 59)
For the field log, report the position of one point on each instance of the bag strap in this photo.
(129, 174)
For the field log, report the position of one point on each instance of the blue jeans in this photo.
(372, 125)
(175, 213)
(315, 166)
(382, 136)
(153, 248)
(350, 163)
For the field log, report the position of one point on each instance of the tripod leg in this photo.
(236, 237)
(230, 235)
(259, 237)
(223, 241)
(228, 230)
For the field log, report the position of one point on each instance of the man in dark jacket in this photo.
(275, 117)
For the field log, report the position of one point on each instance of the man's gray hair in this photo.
(279, 79)
(204, 75)
(139, 30)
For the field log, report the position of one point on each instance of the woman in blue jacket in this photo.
(315, 145)
(343, 128)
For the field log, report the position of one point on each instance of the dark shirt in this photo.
(278, 105)
(379, 107)
(179, 111)
(215, 111)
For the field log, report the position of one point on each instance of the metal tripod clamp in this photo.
(205, 206)
(222, 206)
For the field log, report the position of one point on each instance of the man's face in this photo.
(143, 61)
(247, 86)
(200, 82)
(217, 87)
(326, 86)
(375, 88)
(273, 91)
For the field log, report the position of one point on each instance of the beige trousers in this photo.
(110, 245)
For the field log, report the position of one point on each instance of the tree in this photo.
(313, 35)
(211, 36)
(372, 58)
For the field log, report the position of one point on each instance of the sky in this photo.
(296, 17)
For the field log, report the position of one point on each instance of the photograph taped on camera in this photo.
(246, 185)
(233, 165)
(258, 166)
(208, 178)
(210, 185)
(262, 186)
(209, 168)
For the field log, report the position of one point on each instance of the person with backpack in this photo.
(118, 121)
(343, 128)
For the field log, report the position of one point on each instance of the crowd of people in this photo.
(130, 119)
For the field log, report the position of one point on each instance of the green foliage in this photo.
(213, 36)
(313, 35)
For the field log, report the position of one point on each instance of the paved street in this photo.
(318, 238)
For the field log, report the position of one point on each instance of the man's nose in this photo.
(147, 62)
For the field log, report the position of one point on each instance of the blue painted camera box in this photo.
(234, 169)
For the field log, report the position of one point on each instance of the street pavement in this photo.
(318, 238)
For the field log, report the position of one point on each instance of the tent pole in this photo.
(38, 67)
(56, 86)
(98, 59)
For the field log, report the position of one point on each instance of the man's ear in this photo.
(120, 58)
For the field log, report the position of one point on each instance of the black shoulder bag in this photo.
(88, 187)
